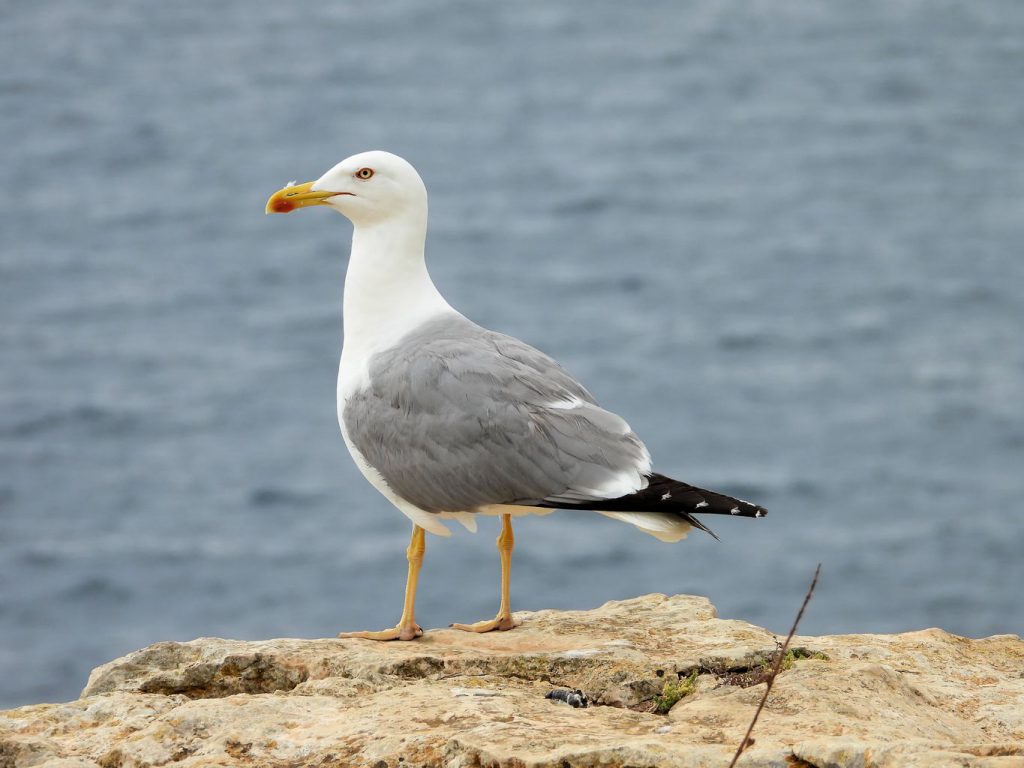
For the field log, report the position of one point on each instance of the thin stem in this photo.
(775, 670)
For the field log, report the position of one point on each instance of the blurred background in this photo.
(783, 239)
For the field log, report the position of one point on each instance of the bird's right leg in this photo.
(407, 628)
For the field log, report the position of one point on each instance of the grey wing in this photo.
(456, 417)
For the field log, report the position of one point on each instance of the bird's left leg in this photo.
(503, 621)
(407, 628)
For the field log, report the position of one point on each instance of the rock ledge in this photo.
(669, 684)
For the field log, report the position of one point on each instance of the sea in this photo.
(784, 239)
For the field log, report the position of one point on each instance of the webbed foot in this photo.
(497, 624)
(406, 632)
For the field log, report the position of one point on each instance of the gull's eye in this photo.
(365, 173)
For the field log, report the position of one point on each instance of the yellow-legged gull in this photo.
(449, 420)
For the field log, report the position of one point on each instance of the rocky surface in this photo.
(669, 685)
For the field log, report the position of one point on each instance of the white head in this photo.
(367, 188)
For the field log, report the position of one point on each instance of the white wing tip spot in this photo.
(701, 504)
(666, 496)
(734, 511)
(759, 513)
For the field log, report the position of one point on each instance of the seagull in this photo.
(449, 420)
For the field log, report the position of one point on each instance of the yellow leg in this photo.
(503, 621)
(407, 628)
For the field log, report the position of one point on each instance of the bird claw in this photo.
(499, 624)
(407, 632)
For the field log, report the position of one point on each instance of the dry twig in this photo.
(747, 741)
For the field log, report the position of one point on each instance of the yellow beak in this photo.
(299, 196)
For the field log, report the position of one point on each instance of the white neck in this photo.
(388, 291)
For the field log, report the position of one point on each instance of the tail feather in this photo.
(663, 494)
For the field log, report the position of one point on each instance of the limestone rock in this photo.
(669, 685)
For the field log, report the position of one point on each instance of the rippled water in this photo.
(783, 239)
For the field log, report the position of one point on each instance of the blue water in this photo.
(783, 239)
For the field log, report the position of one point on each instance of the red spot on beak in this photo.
(283, 206)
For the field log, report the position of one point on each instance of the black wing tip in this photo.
(664, 494)
(754, 510)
